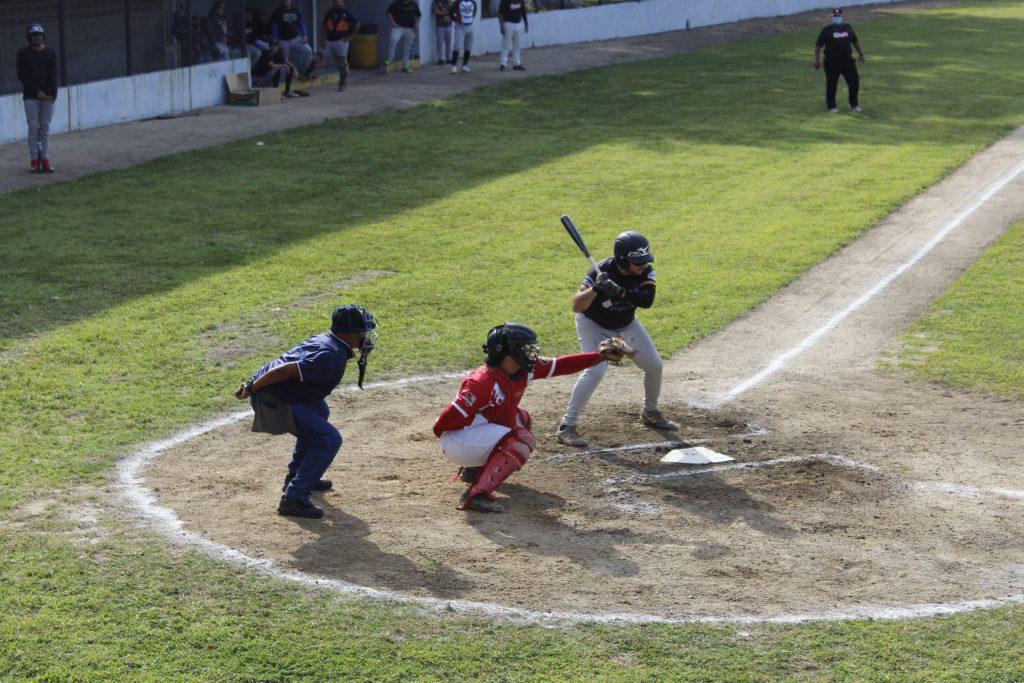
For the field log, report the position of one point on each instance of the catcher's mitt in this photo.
(615, 349)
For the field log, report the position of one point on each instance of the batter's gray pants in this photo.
(647, 359)
(38, 115)
(445, 35)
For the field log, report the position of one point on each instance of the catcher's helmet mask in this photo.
(512, 339)
(632, 247)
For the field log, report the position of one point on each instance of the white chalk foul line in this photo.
(783, 359)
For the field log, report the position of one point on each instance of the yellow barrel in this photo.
(362, 54)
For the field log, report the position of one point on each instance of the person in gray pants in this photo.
(37, 71)
(605, 307)
(443, 30)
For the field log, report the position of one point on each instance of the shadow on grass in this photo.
(74, 250)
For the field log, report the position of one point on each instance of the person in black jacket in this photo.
(37, 71)
(839, 41)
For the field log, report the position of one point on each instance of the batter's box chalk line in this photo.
(166, 521)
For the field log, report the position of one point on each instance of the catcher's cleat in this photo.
(322, 485)
(299, 508)
(568, 435)
(654, 418)
(480, 503)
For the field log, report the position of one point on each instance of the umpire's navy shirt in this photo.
(321, 360)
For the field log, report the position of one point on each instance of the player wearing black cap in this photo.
(839, 41)
(605, 307)
(287, 395)
(37, 71)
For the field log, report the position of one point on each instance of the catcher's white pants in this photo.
(511, 41)
(647, 359)
(470, 446)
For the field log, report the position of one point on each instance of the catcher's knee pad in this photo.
(520, 442)
(523, 418)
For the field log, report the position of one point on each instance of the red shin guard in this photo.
(506, 459)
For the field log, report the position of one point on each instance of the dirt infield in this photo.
(866, 489)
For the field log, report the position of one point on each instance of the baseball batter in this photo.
(605, 307)
(484, 431)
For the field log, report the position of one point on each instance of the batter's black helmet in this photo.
(353, 318)
(512, 339)
(634, 248)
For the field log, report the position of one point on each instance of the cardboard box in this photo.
(241, 95)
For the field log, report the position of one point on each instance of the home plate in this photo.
(695, 456)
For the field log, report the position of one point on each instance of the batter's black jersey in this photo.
(838, 42)
(616, 313)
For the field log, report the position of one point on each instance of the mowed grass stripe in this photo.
(723, 158)
(973, 335)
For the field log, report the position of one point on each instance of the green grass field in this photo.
(973, 336)
(132, 302)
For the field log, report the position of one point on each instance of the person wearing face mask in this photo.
(839, 41)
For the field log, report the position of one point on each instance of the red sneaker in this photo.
(46, 166)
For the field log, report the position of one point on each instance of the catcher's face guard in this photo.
(515, 340)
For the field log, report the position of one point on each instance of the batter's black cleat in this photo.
(479, 503)
(299, 508)
(322, 485)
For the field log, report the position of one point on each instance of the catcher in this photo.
(484, 430)
(605, 307)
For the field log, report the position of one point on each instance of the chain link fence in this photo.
(99, 39)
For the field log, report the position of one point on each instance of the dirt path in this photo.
(867, 492)
(103, 149)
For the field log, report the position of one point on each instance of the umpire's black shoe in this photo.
(322, 485)
(299, 508)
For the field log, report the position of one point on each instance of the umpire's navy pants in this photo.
(317, 444)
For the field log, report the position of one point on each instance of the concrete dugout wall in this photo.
(620, 20)
(131, 98)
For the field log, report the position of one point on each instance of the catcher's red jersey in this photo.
(496, 396)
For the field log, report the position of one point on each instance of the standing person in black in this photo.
(340, 27)
(37, 71)
(839, 41)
